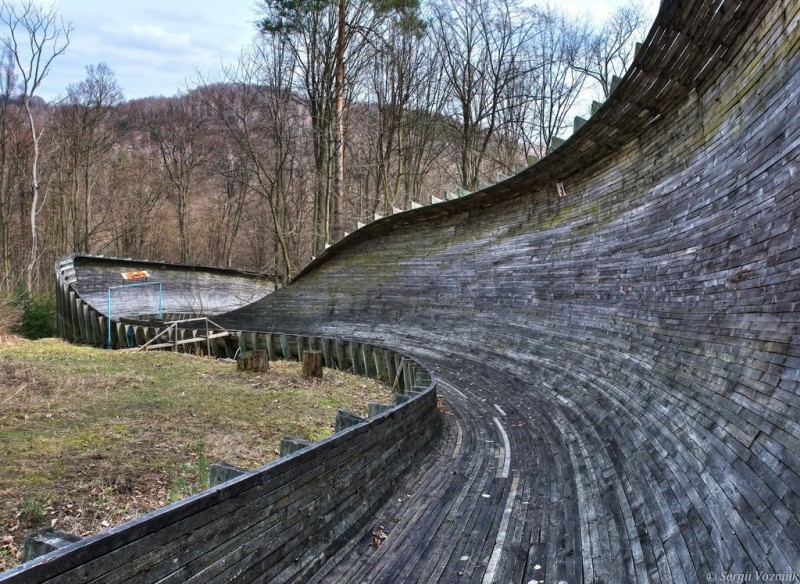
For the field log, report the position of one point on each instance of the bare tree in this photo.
(555, 85)
(394, 77)
(7, 121)
(258, 115)
(482, 43)
(88, 121)
(36, 36)
(609, 50)
(426, 124)
(180, 137)
(233, 174)
(310, 33)
(137, 201)
(329, 39)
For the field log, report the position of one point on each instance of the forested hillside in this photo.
(317, 127)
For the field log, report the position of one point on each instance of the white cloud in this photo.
(158, 36)
(152, 46)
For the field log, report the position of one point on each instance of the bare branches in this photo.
(257, 113)
(36, 36)
(87, 123)
(609, 50)
(484, 47)
(181, 139)
(47, 37)
(245, 170)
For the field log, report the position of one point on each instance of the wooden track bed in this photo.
(620, 366)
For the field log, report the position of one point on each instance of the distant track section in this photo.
(89, 287)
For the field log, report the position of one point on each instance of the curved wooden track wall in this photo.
(280, 522)
(621, 366)
(82, 307)
(636, 341)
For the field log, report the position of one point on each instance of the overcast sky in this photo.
(154, 47)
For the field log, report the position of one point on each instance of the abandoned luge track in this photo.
(620, 366)
(633, 347)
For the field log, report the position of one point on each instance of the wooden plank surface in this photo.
(620, 367)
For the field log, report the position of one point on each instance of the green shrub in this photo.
(38, 317)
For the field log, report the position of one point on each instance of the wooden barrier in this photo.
(263, 521)
(616, 330)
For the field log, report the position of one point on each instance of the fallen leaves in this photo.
(9, 552)
(379, 535)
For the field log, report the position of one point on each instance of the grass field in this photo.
(90, 438)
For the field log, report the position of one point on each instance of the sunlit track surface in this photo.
(637, 340)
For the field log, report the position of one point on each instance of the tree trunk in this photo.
(257, 361)
(87, 208)
(34, 200)
(338, 181)
(312, 364)
(183, 209)
(5, 210)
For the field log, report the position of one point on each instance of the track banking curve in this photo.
(620, 366)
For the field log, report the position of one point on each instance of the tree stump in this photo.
(312, 364)
(257, 361)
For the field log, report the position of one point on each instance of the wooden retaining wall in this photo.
(83, 281)
(281, 521)
(628, 307)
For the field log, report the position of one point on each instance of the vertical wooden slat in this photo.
(354, 357)
(368, 358)
(391, 367)
(97, 331)
(271, 347)
(79, 303)
(377, 359)
(141, 336)
(326, 351)
(341, 361)
(285, 351)
(119, 339)
(73, 306)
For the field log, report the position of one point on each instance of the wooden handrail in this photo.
(173, 325)
(159, 335)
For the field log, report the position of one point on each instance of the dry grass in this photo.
(91, 438)
(10, 317)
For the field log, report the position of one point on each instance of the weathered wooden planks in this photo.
(636, 339)
(643, 327)
(250, 524)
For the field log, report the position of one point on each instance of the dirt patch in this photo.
(92, 438)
